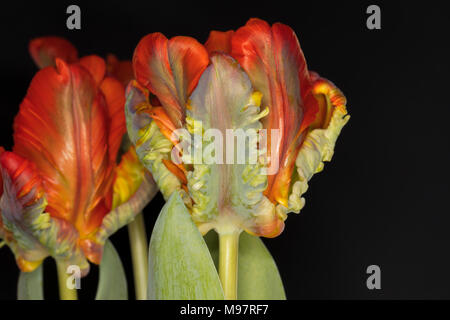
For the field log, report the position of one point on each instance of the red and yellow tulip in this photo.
(252, 78)
(63, 191)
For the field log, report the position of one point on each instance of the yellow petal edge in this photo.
(317, 147)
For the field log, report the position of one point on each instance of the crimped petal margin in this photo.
(152, 146)
(319, 142)
(274, 61)
(228, 194)
(30, 232)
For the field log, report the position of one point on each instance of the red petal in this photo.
(95, 65)
(114, 93)
(121, 70)
(170, 69)
(275, 63)
(44, 50)
(63, 127)
(219, 41)
(2, 150)
(23, 176)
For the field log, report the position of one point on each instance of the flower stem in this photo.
(228, 263)
(64, 292)
(139, 254)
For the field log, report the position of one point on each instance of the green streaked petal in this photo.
(151, 145)
(234, 191)
(126, 212)
(34, 234)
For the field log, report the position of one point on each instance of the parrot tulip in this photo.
(252, 78)
(63, 192)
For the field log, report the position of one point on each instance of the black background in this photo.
(382, 200)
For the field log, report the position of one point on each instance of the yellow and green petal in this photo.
(152, 146)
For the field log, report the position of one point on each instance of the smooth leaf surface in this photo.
(180, 265)
(112, 283)
(258, 276)
(30, 285)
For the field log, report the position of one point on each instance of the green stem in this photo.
(64, 292)
(228, 263)
(139, 253)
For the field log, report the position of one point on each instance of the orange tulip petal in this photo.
(274, 61)
(176, 170)
(121, 70)
(96, 67)
(45, 50)
(128, 177)
(62, 126)
(170, 69)
(114, 93)
(219, 41)
(31, 233)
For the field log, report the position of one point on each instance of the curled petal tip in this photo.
(45, 50)
(170, 69)
(96, 67)
(219, 41)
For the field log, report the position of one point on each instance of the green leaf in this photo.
(30, 285)
(112, 284)
(180, 266)
(258, 276)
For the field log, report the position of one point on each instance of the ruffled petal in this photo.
(152, 146)
(319, 142)
(228, 194)
(30, 232)
(62, 126)
(45, 50)
(170, 69)
(274, 61)
(219, 41)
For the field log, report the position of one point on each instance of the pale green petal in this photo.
(224, 99)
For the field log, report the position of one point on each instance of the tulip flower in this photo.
(63, 192)
(253, 78)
